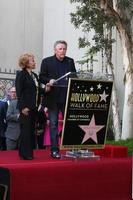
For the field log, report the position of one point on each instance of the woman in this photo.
(27, 92)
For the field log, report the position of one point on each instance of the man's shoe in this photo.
(55, 154)
(26, 158)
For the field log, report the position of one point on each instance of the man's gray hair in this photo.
(60, 42)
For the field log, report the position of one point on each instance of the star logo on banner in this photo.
(103, 96)
(91, 89)
(99, 86)
(91, 130)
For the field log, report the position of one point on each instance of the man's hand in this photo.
(48, 85)
(52, 81)
(25, 111)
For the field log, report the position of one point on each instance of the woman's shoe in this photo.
(26, 157)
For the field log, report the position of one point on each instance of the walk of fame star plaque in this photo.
(86, 114)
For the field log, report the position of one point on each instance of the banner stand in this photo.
(80, 155)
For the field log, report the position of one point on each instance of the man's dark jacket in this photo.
(49, 70)
(3, 123)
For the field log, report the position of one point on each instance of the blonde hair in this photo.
(24, 60)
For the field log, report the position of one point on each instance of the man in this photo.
(3, 124)
(13, 130)
(52, 68)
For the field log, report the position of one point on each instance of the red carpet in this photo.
(47, 178)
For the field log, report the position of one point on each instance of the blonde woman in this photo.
(27, 93)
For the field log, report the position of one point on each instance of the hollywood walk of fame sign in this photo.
(86, 114)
